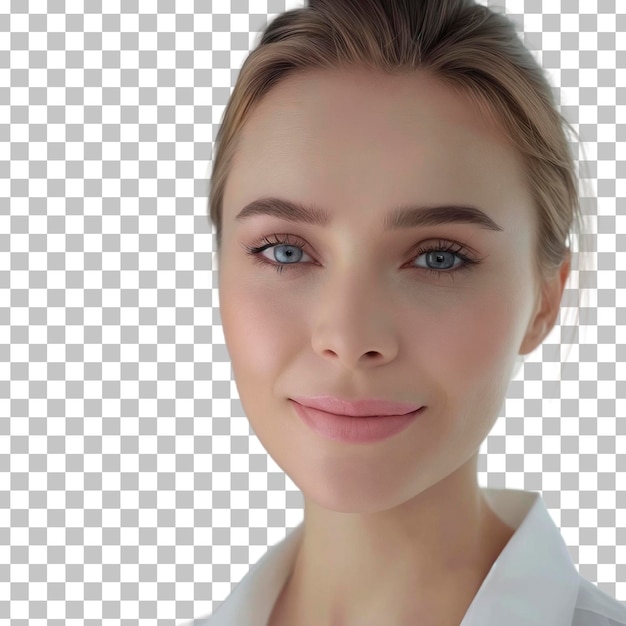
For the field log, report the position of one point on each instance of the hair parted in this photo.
(470, 47)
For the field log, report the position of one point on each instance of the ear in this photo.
(547, 309)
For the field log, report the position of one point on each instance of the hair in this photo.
(471, 48)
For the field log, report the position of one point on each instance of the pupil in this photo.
(439, 258)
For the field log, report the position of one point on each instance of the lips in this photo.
(354, 430)
(365, 407)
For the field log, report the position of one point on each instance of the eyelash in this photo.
(442, 246)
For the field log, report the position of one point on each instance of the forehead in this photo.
(352, 136)
(351, 98)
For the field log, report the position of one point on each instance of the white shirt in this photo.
(533, 582)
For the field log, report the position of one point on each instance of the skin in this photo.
(395, 532)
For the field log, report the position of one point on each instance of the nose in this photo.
(354, 324)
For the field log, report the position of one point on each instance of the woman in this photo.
(392, 194)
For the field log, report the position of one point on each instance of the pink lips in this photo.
(359, 429)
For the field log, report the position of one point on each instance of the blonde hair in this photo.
(469, 47)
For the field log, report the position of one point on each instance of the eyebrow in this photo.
(400, 217)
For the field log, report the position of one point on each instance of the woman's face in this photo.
(357, 310)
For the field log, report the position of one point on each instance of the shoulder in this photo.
(594, 607)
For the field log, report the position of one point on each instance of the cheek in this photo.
(254, 331)
(476, 363)
(483, 341)
(482, 336)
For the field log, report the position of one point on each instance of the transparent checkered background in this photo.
(132, 489)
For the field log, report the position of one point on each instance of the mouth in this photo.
(354, 429)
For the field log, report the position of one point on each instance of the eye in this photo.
(288, 253)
